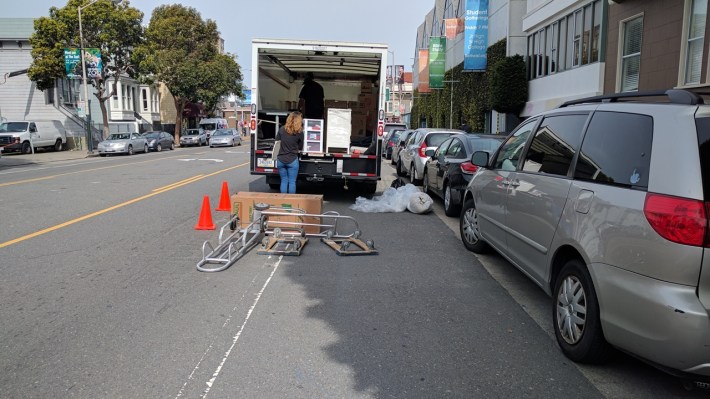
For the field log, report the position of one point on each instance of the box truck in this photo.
(346, 145)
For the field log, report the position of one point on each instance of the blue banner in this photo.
(475, 35)
(247, 98)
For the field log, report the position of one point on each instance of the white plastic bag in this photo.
(420, 203)
(391, 200)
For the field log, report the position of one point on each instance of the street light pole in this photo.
(451, 103)
(87, 107)
(392, 82)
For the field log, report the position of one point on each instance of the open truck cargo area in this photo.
(346, 145)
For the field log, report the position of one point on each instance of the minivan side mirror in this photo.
(429, 152)
(480, 158)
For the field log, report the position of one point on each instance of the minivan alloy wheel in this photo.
(571, 310)
(471, 232)
(575, 315)
(469, 229)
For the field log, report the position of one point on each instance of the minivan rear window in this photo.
(617, 150)
(702, 125)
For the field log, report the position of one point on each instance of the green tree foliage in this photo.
(181, 51)
(471, 96)
(508, 85)
(114, 29)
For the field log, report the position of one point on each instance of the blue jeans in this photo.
(288, 173)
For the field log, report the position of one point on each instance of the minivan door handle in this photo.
(513, 183)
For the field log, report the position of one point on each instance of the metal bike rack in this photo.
(282, 237)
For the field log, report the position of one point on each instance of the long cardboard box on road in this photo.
(243, 204)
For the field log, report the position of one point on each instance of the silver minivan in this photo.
(604, 203)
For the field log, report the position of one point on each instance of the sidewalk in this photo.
(41, 157)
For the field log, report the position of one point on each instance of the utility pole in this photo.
(451, 103)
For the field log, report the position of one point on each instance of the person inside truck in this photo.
(290, 139)
(310, 100)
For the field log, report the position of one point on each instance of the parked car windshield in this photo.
(152, 135)
(13, 127)
(223, 132)
(192, 132)
(119, 136)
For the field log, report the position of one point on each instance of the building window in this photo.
(596, 30)
(562, 35)
(124, 89)
(69, 91)
(631, 53)
(570, 42)
(144, 93)
(696, 37)
(577, 46)
(540, 53)
(116, 89)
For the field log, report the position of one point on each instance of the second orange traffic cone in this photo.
(224, 204)
(205, 222)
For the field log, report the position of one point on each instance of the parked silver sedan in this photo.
(225, 138)
(191, 137)
(412, 158)
(123, 143)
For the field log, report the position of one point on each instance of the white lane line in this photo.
(211, 345)
(239, 333)
(216, 373)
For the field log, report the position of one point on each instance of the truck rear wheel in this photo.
(58, 145)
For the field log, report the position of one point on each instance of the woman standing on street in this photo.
(290, 136)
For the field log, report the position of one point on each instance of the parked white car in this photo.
(123, 143)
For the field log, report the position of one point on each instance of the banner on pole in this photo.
(454, 26)
(475, 35)
(437, 62)
(424, 71)
(72, 63)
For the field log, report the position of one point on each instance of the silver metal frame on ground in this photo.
(234, 245)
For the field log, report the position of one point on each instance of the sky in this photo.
(392, 22)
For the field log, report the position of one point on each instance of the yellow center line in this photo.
(109, 209)
(180, 183)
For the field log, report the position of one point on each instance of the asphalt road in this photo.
(100, 298)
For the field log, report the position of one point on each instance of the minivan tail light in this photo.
(422, 150)
(468, 168)
(676, 219)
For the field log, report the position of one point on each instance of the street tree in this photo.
(181, 52)
(115, 29)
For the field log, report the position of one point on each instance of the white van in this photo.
(25, 136)
(209, 125)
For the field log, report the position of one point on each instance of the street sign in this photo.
(80, 110)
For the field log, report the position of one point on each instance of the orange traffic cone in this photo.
(224, 204)
(205, 222)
